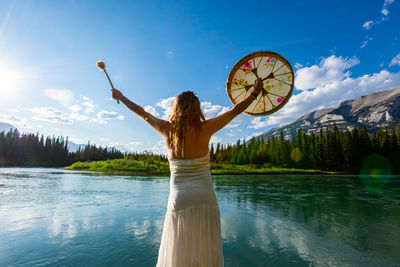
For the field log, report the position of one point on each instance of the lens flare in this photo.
(63, 96)
(375, 172)
(296, 154)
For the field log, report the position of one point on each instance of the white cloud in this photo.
(365, 42)
(90, 106)
(76, 140)
(384, 11)
(109, 115)
(235, 122)
(15, 121)
(77, 116)
(75, 108)
(253, 135)
(151, 110)
(50, 114)
(135, 143)
(215, 139)
(368, 24)
(395, 60)
(385, 8)
(158, 148)
(231, 132)
(211, 111)
(328, 70)
(104, 116)
(166, 105)
(329, 95)
(258, 122)
(297, 65)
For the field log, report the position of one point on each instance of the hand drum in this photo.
(278, 81)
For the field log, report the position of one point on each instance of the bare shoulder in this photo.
(166, 128)
(213, 125)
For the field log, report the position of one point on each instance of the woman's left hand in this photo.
(258, 86)
(117, 95)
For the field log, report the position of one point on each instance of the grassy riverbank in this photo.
(140, 167)
(260, 169)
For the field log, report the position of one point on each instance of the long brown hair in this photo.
(186, 113)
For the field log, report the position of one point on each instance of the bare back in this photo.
(195, 144)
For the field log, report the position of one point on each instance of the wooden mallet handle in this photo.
(101, 66)
(112, 86)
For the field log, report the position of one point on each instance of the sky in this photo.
(154, 50)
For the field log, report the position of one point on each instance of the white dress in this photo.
(192, 227)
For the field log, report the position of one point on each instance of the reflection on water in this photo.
(334, 209)
(56, 217)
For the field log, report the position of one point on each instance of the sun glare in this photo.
(11, 81)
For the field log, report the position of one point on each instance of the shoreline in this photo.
(216, 172)
(161, 168)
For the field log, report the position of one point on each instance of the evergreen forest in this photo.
(30, 149)
(328, 149)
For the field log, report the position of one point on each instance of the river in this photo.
(55, 217)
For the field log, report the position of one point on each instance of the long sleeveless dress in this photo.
(192, 227)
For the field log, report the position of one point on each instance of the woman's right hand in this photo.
(258, 86)
(116, 94)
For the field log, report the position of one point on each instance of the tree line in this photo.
(30, 149)
(329, 149)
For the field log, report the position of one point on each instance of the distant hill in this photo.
(6, 127)
(73, 147)
(374, 111)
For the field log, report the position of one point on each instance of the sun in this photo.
(11, 81)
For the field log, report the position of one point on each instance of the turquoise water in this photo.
(55, 217)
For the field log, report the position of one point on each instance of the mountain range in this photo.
(374, 111)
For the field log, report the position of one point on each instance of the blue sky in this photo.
(156, 49)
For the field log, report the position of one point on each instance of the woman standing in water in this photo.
(192, 227)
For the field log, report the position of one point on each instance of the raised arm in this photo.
(157, 124)
(215, 124)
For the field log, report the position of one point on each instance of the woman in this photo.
(192, 229)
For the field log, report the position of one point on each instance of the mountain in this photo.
(6, 127)
(73, 147)
(373, 111)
